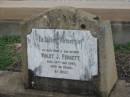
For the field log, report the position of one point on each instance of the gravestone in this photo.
(68, 50)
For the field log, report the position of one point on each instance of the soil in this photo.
(16, 67)
(123, 64)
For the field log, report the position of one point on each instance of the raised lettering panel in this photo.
(66, 54)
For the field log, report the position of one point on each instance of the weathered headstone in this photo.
(68, 50)
(66, 54)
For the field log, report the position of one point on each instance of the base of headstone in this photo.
(15, 88)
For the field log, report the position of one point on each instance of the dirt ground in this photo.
(123, 65)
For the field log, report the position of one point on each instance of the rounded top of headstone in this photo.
(64, 18)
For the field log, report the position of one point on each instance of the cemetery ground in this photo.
(10, 60)
(9, 53)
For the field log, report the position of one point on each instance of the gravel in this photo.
(123, 64)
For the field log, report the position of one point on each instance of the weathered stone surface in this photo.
(11, 82)
(71, 18)
(63, 54)
(121, 89)
(107, 65)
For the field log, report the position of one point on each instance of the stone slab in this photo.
(121, 89)
(11, 85)
(11, 82)
(63, 54)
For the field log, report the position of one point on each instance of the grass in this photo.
(7, 51)
(122, 47)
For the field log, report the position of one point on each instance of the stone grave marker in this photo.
(68, 50)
